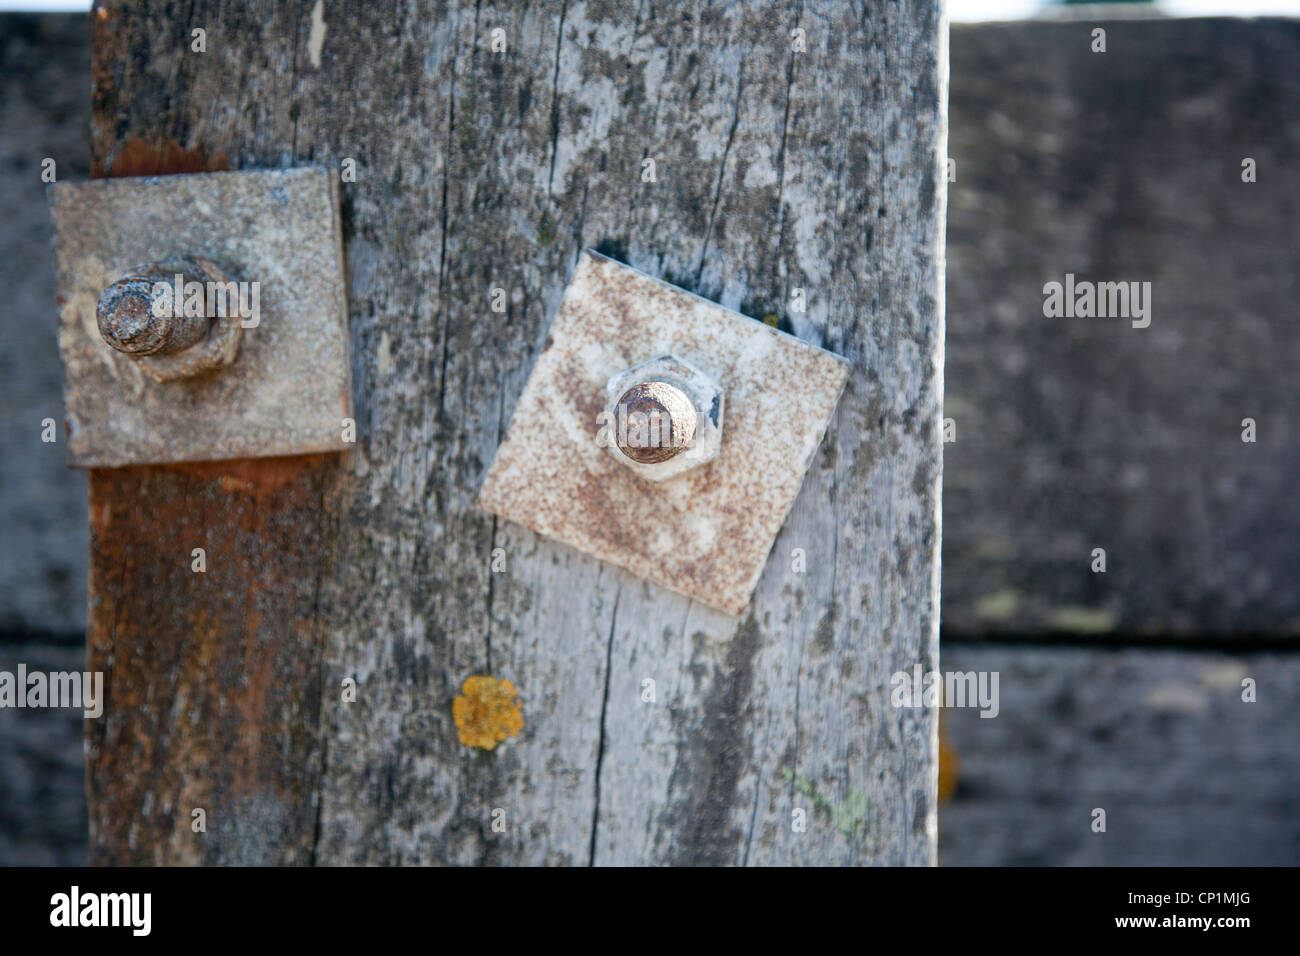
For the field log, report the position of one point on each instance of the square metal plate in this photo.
(290, 387)
(705, 533)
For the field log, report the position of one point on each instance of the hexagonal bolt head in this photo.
(664, 418)
(168, 344)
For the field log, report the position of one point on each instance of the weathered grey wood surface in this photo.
(1082, 433)
(774, 170)
(1188, 773)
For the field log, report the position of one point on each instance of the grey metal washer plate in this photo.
(706, 533)
(290, 388)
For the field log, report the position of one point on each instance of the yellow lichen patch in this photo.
(947, 767)
(487, 712)
(948, 762)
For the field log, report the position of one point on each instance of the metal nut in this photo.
(664, 416)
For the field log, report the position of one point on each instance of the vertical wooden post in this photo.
(762, 156)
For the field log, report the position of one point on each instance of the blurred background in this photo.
(1119, 689)
(1122, 689)
(958, 10)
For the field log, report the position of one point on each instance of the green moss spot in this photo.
(849, 817)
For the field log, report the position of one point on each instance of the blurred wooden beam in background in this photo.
(1080, 433)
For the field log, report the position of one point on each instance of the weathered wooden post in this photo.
(785, 162)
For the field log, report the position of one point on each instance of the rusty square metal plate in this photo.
(289, 388)
(705, 533)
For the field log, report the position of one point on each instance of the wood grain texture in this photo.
(774, 170)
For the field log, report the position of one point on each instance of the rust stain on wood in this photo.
(157, 156)
(207, 673)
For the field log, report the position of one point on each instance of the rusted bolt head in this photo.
(143, 315)
(132, 319)
(657, 422)
(663, 418)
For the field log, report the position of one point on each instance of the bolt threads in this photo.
(137, 319)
